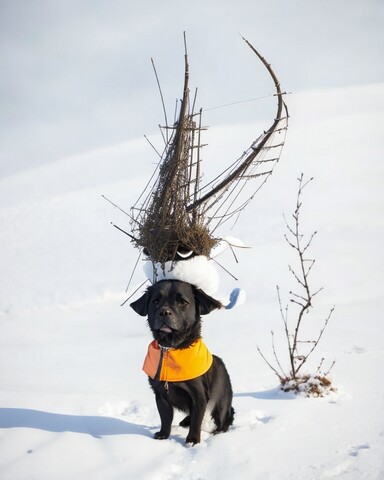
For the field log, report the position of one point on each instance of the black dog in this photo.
(173, 309)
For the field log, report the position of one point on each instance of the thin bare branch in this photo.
(329, 369)
(317, 291)
(309, 242)
(290, 243)
(297, 296)
(301, 282)
(318, 339)
(270, 365)
(292, 300)
(307, 272)
(319, 366)
(275, 354)
(284, 317)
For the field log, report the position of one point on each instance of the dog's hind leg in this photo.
(186, 422)
(223, 418)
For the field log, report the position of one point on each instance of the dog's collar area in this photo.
(177, 365)
(164, 349)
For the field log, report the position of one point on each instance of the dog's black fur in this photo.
(173, 309)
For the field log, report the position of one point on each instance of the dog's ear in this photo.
(205, 303)
(140, 305)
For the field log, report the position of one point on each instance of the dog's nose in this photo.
(165, 312)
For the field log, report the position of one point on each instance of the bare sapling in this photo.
(301, 301)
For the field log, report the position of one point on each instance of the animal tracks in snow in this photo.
(132, 411)
(357, 350)
(251, 419)
(345, 465)
(355, 450)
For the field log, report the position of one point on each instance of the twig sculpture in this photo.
(178, 215)
(175, 219)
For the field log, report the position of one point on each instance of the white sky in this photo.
(76, 75)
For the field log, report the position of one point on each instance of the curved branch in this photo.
(247, 162)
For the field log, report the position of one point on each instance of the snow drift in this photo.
(74, 402)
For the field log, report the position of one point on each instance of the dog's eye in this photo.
(155, 301)
(182, 302)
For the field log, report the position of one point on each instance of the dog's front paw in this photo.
(161, 435)
(192, 439)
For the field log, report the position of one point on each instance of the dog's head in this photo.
(173, 309)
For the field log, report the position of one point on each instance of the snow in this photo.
(74, 402)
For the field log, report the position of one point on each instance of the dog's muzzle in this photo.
(163, 320)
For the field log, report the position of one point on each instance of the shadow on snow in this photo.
(272, 394)
(96, 426)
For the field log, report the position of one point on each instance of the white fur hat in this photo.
(198, 271)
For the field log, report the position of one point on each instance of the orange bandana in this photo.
(178, 365)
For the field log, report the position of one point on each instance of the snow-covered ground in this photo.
(74, 403)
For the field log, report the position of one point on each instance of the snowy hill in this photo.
(74, 402)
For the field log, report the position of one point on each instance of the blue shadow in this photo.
(95, 426)
(273, 394)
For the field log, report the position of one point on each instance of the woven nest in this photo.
(163, 241)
